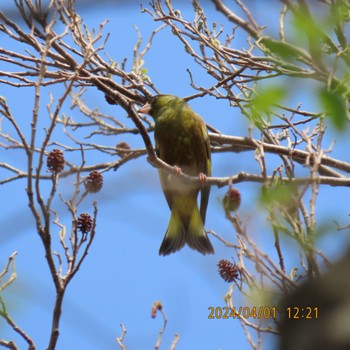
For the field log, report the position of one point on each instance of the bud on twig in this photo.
(232, 200)
(157, 305)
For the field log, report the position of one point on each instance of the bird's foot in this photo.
(202, 178)
(177, 170)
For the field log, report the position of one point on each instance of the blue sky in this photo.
(123, 274)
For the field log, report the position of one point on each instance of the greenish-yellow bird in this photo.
(182, 141)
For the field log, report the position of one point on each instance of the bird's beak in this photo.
(145, 109)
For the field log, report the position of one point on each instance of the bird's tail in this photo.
(174, 238)
(196, 237)
(177, 235)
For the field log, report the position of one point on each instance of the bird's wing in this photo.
(205, 191)
(164, 180)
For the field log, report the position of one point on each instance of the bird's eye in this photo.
(151, 99)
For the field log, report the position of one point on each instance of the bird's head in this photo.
(156, 103)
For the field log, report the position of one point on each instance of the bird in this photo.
(182, 141)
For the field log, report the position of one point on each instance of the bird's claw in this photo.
(177, 170)
(202, 178)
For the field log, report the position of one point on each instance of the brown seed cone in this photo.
(55, 161)
(228, 270)
(84, 223)
(122, 146)
(94, 181)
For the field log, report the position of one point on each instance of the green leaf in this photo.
(312, 27)
(262, 102)
(269, 97)
(280, 195)
(281, 49)
(334, 106)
